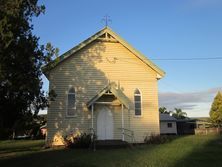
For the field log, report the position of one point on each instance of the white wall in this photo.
(164, 129)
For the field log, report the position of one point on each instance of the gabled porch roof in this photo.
(116, 92)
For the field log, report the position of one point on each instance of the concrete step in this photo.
(110, 144)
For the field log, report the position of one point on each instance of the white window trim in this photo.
(141, 101)
(67, 98)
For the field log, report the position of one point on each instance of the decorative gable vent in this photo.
(108, 92)
(106, 37)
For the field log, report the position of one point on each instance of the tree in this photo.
(21, 59)
(163, 110)
(216, 110)
(179, 114)
(29, 125)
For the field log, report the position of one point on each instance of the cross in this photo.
(106, 20)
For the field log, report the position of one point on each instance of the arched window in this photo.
(137, 102)
(71, 102)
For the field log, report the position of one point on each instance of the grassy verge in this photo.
(10, 148)
(183, 151)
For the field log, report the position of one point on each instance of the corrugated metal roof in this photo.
(167, 117)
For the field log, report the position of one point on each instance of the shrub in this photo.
(157, 139)
(5, 133)
(82, 140)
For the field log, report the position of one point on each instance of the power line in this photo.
(181, 59)
(131, 60)
(188, 59)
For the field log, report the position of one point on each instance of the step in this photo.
(110, 144)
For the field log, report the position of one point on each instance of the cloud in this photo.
(201, 4)
(205, 2)
(188, 100)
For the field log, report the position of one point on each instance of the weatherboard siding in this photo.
(91, 69)
(164, 129)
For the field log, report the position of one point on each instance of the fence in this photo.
(208, 131)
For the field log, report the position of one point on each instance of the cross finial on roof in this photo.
(106, 19)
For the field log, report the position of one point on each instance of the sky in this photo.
(162, 30)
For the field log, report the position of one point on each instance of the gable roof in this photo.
(67, 54)
(116, 92)
(167, 117)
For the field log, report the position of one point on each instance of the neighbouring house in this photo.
(198, 126)
(43, 130)
(186, 126)
(202, 122)
(106, 85)
(168, 125)
(204, 126)
(193, 125)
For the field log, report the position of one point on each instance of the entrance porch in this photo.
(110, 115)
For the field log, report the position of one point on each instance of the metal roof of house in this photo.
(167, 117)
(67, 54)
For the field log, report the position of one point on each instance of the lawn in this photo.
(183, 151)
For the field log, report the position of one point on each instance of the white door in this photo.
(105, 124)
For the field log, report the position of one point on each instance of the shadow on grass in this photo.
(11, 146)
(203, 154)
(182, 151)
(71, 157)
(136, 156)
(44, 158)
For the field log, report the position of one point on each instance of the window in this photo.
(137, 102)
(71, 102)
(169, 125)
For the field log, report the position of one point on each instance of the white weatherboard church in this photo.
(106, 85)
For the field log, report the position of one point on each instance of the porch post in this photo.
(92, 114)
(122, 124)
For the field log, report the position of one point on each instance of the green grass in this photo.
(183, 151)
(10, 148)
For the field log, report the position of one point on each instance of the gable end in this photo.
(105, 35)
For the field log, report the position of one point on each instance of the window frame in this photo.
(169, 123)
(67, 102)
(141, 108)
